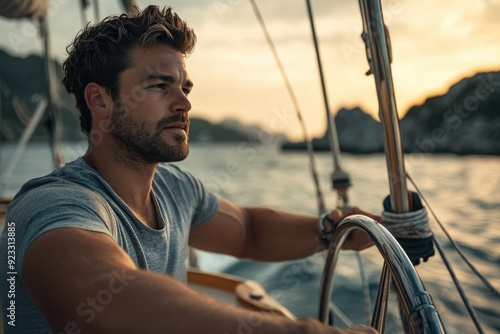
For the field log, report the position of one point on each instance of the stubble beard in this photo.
(138, 145)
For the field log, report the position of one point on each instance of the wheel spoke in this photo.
(380, 308)
(416, 304)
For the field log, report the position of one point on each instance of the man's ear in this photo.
(98, 100)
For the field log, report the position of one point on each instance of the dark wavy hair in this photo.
(100, 53)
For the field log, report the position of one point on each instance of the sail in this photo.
(24, 8)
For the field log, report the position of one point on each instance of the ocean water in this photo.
(463, 191)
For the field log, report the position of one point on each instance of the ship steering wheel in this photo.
(417, 306)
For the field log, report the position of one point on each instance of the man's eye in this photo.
(160, 86)
(186, 91)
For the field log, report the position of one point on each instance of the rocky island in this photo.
(465, 120)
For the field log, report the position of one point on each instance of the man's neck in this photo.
(131, 182)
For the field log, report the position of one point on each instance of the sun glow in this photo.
(434, 46)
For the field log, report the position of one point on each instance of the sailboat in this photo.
(419, 313)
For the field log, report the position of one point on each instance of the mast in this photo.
(379, 57)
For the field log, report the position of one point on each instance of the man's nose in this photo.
(181, 103)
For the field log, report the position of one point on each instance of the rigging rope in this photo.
(312, 162)
(340, 179)
(414, 225)
(460, 290)
(341, 315)
(310, 151)
(454, 244)
(403, 225)
(451, 271)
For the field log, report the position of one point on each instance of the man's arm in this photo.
(83, 280)
(265, 234)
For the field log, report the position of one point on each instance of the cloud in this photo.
(434, 44)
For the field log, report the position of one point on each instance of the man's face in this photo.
(150, 119)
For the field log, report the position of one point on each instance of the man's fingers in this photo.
(356, 210)
(358, 240)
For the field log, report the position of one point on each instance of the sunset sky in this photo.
(435, 43)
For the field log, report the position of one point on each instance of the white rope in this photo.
(411, 225)
(341, 315)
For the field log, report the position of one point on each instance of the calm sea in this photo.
(464, 192)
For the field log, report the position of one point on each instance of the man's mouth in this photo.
(179, 128)
(177, 125)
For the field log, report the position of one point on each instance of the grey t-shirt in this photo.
(77, 196)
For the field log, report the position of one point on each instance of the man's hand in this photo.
(357, 240)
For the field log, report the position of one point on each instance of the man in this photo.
(101, 243)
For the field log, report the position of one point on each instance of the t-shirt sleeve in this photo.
(188, 193)
(57, 206)
(207, 203)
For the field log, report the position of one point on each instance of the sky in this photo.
(435, 43)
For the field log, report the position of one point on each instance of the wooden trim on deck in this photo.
(248, 293)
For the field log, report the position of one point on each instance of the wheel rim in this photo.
(416, 304)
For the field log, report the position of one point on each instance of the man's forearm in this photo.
(93, 286)
(153, 303)
(277, 236)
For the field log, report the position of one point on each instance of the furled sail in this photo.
(23, 8)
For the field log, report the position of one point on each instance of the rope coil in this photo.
(410, 225)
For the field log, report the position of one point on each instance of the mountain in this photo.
(19, 86)
(465, 120)
(21, 79)
(203, 131)
(254, 132)
(358, 132)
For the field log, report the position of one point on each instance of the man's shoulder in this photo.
(60, 196)
(70, 185)
(72, 181)
(60, 204)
